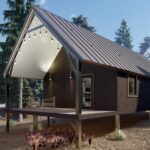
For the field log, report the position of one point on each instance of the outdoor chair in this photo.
(48, 102)
(34, 102)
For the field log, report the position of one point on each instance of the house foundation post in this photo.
(79, 134)
(48, 121)
(78, 106)
(35, 123)
(117, 118)
(7, 106)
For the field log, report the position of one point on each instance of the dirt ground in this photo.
(136, 127)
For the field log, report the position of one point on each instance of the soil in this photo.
(136, 127)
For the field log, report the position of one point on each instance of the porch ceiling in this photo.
(36, 53)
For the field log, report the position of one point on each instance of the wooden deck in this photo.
(64, 113)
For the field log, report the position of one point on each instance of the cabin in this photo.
(89, 75)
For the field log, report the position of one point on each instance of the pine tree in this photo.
(14, 19)
(123, 36)
(82, 21)
(27, 92)
(37, 88)
(144, 46)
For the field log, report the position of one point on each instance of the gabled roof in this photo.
(95, 48)
(88, 46)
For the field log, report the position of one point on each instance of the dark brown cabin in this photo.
(89, 75)
(111, 77)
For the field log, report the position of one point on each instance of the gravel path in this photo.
(137, 130)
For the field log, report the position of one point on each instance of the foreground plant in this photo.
(117, 135)
(55, 138)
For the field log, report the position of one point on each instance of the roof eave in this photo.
(115, 69)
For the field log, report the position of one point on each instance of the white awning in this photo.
(37, 52)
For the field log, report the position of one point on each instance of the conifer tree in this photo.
(144, 46)
(14, 18)
(82, 21)
(123, 36)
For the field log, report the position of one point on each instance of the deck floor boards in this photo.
(66, 113)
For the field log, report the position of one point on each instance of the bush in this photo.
(117, 135)
(13, 123)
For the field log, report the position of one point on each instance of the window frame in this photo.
(136, 86)
(91, 75)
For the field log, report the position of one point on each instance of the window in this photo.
(87, 92)
(132, 86)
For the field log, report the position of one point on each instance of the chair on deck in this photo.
(48, 102)
(33, 102)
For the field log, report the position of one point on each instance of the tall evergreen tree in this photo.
(82, 21)
(144, 46)
(14, 19)
(123, 36)
(27, 92)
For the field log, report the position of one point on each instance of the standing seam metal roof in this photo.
(95, 48)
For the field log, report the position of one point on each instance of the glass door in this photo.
(87, 91)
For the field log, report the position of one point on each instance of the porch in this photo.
(61, 72)
(62, 113)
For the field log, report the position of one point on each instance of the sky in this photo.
(104, 15)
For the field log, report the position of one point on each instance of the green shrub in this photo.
(13, 123)
(117, 135)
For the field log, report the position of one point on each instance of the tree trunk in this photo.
(20, 98)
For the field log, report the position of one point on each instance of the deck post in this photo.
(79, 134)
(78, 105)
(35, 122)
(7, 105)
(20, 99)
(48, 121)
(77, 89)
(117, 117)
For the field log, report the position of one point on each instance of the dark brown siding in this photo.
(128, 104)
(105, 94)
(60, 86)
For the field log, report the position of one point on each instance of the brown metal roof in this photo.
(95, 48)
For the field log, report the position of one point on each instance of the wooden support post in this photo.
(7, 122)
(77, 89)
(7, 106)
(20, 99)
(117, 117)
(48, 121)
(79, 134)
(35, 123)
(148, 113)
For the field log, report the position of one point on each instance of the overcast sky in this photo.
(105, 15)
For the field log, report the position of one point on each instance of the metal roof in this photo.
(95, 48)
(87, 46)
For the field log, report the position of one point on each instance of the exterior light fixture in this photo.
(15, 62)
(24, 40)
(70, 75)
(29, 37)
(52, 39)
(40, 33)
(45, 32)
(58, 46)
(50, 78)
(19, 51)
(34, 35)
